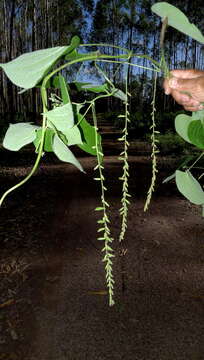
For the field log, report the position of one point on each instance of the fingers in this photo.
(195, 108)
(187, 74)
(166, 86)
(187, 88)
(181, 99)
(184, 99)
(182, 84)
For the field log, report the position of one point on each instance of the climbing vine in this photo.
(64, 122)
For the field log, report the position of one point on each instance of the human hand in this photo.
(187, 88)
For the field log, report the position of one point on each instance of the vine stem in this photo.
(31, 173)
(96, 57)
(131, 64)
(195, 162)
(106, 45)
(40, 151)
(91, 57)
(130, 54)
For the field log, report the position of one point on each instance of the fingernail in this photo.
(173, 83)
(167, 92)
(200, 107)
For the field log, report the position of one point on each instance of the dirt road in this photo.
(54, 278)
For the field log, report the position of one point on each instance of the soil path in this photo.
(61, 302)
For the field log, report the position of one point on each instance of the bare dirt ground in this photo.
(53, 302)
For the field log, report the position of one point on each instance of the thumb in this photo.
(181, 84)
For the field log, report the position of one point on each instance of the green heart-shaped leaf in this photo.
(182, 123)
(61, 117)
(196, 133)
(19, 135)
(88, 137)
(198, 115)
(47, 141)
(189, 187)
(177, 20)
(64, 153)
(27, 70)
(73, 136)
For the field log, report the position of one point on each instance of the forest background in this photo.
(36, 24)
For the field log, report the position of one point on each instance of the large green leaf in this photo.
(47, 141)
(189, 187)
(19, 135)
(64, 153)
(178, 20)
(182, 123)
(198, 115)
(27, 70)
(73, 136)
(61, 117)
(196, 133)
(88, 137)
